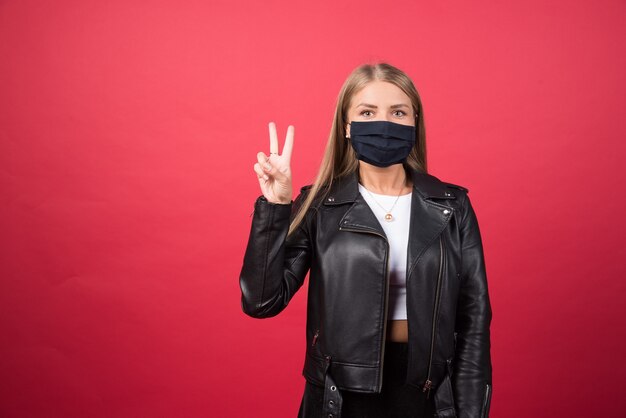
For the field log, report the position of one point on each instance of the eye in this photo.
(399, 113)
(366, 113)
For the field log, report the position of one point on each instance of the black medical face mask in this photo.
(382, 143)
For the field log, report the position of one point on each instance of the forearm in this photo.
(472, 379)
(273, 268)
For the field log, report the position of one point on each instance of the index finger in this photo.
(288, 147)
(273, 139)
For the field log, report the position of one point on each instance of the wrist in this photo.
(281, 202)
(276, 202)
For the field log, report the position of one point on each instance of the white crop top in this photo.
(397, 232)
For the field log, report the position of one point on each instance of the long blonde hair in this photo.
(339, 157)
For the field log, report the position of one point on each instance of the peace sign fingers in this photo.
(274, 171)
(287, 148)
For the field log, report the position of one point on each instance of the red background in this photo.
(128, 132)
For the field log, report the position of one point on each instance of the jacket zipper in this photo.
(317, 334)
(428, 384)
(384, 337)
(485, 401)
(385, 314)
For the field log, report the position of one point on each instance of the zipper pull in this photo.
(317, 333)
(427, 385)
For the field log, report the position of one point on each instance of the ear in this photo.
(347, 130)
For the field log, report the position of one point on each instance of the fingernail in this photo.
(267, 166)
(265, 177)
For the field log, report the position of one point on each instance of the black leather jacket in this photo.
(344, 247)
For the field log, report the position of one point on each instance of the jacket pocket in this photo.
(486, 402)
(444, 399)
(444, 396)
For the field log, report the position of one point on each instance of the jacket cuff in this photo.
(262, 200)
(267, 214)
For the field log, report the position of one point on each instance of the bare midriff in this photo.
(397, 330)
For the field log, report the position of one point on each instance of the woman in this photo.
(398, 311)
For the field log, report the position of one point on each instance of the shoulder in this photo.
(456, 186)
(308, 189)
(304, 193)
(462, 199)
(433, 187)
(458, 193)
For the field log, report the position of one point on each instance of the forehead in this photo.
(380, 93)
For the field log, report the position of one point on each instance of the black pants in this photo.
(396, 400)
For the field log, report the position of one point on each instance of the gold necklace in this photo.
(388, 215)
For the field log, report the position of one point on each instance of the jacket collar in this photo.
(429, 218)
(346, 189)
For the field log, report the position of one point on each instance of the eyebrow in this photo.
(376, 107)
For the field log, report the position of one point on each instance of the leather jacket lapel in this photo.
(428, 218)
(361, 217)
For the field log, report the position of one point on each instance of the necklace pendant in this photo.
(388, 217)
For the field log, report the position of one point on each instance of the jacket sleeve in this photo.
(472, 371)
(274, 266)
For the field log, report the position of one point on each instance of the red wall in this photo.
(128, 132)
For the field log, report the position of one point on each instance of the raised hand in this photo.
(273, 171)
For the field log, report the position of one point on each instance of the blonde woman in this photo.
(398, 310)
